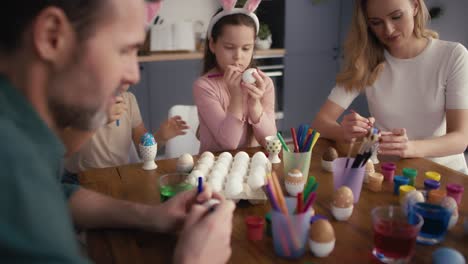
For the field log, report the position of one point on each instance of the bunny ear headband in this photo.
(228, 9)
(152, 10)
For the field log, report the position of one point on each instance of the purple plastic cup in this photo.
(431, 185)
(353, 178)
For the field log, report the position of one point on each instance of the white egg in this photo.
(226, 161)
(256, 181)
(258, 171)
(233, 188)
(450, 203)
(192, 180)
(235, 176)
(217, 174)
(207, 154)
(248, 77)
(204, 168)
(208, 161)
(216, 184)
(259, 156)
(184, 163)
(225, 155)
(221, 167)
(242, 155)
(240, 167)
(197, 173)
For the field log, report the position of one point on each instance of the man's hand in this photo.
(206, 236)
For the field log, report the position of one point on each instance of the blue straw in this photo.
(200, 185)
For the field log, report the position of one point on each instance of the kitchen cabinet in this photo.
(164, 84)
(314, 37)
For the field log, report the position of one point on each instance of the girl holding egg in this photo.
(416, 85)
(236, 105)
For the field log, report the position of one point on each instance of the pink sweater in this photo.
(220, 130)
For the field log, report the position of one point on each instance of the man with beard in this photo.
(60, 64)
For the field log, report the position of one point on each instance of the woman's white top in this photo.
(415, 94)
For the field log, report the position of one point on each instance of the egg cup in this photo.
(273, 146)
(342, 214)
(321, 250)
(327, 165)
(148, 154)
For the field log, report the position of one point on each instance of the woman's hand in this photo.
(356, 126)
(396, 143)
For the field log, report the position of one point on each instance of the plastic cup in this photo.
(255, 226)
(430, 184)
(297, 160)
(410, 174)
(436, 220)
(455, 191)
(432, 175)
(436, 196)
(171, 184)
(404, 190)
(351, 177)
(290, 232)
(394, 234)
(397, 182)
(375, 182)
(388, 170)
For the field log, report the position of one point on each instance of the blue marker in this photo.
(200, 185)
(117, 122)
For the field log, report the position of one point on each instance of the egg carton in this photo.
(237, 178)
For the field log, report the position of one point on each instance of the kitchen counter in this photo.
(171, 56)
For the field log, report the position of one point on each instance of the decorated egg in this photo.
(248, 77)
(343, 197)
(321, 238)
(294, 182)
(184, 163)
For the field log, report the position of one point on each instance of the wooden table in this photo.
(354, 238)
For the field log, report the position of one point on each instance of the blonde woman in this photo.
(416, 85)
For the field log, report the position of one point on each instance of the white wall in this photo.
(188, 10)
(452, 24)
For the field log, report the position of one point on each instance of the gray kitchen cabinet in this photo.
(170, 83)
(314, 37)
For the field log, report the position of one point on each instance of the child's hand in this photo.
(117, 110)
(233, 77)
(172, 127)
(256, 90)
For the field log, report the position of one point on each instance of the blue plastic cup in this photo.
(436, 220)
(290, 232)
(397, 182)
